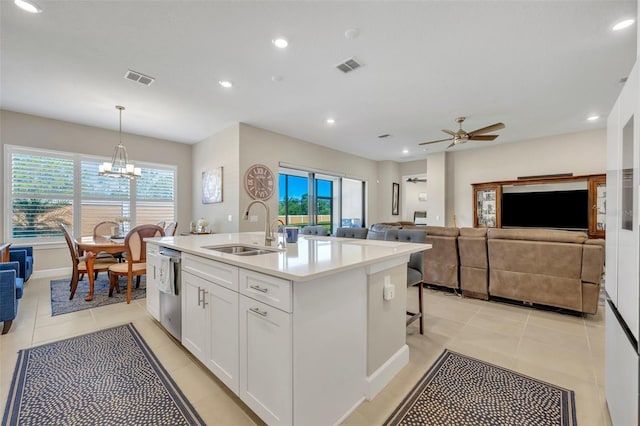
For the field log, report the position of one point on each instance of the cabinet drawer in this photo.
(219, 273)
(265, 288)
(152, 248)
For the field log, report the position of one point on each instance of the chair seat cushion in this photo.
(19, 287)
(123, 268)
(99, 265)
(413, 277)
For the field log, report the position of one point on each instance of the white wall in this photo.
(269, 148)
(219, 150)
(410, 196)
(436, 189)
(388, 173)
(39, 132)
(578, 153)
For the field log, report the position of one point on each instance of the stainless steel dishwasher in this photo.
(171, 300)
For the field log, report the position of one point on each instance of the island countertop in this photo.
(310, 258)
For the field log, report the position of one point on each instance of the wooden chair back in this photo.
(136, 246)
(170, 229)
(104, 228)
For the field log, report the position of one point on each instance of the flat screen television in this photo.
(552, 209)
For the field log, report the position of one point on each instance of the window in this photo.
(49, 187)
(309, 198)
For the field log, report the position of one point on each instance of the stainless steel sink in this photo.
(242, 249)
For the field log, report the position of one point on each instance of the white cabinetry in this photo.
(210, 316)
(194, 315)
(153, 294)
(266, 370)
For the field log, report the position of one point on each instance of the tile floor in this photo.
(564, 350)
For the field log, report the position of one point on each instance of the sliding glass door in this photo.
(310, 198)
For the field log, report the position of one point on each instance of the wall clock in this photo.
(259, 183)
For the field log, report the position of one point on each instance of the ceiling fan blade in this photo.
(488, 129)
(449, 132)
(441, 140)
(452, 144)
(482, 137)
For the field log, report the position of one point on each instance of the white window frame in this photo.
(77, 158)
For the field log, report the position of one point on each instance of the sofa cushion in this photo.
(538, 235)
(473, 232)
(543, 257)
(19, 288)
(443, 231)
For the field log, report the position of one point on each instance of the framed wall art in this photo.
(395, 199)
(212, 186)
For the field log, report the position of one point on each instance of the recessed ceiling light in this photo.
(330, 121)
(225, 84)
(405, 151)
(28, 6)
(352, 33)
(593, 118)
(280, 42)
(623, 24)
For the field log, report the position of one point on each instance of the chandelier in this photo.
(119, 167)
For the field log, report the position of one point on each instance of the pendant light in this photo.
(119, 166)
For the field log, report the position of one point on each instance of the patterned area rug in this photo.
(458, 390)
(109, 377)
(60, 303)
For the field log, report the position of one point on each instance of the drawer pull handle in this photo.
(199, 290)
(258, 311)
(261, 289)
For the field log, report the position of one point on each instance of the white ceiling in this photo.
(541, 67)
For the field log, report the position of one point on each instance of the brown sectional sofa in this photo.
(474, 263)
(548, 267)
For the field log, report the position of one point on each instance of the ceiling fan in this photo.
(461, 136)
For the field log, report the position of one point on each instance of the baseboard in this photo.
(387, 371)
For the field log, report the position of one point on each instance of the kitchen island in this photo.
(302, 335)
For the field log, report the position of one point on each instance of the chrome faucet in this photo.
(268, 237)
(282, 244)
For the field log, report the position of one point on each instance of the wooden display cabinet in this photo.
(598, 203)
(486, 202)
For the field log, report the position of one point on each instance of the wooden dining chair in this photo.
(79, 264)
(100, 230)
(171, 228)
(136, 258)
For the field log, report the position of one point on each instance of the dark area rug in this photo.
(60, 303)
(459, 390)
(110, 377)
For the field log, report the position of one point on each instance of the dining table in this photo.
(92, 245)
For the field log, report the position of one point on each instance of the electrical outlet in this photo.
(230, 218)
(253, 218)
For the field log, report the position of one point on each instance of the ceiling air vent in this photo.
(138, 77)
(349, 65)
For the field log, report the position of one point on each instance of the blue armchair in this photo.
(24, 256)
(11, 287)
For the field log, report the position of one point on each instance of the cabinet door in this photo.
(265, 361)
(598, 201)
(194, 315)
(223, 350)
(486, 202)
(153, 294)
